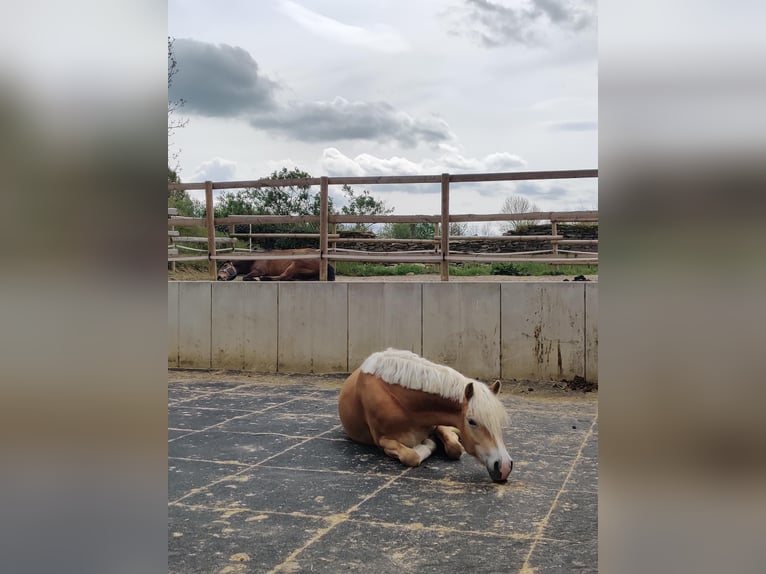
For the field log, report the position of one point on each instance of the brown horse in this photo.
(275, 269)
(401, 402)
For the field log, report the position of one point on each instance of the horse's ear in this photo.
(495, 387)
(468, 391)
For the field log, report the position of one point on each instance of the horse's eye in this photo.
(472, 422)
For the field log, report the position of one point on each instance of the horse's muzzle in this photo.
(500, 471)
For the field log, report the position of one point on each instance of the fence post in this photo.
(445, 227)
(210, 222)
(554, 243)
(323, 220)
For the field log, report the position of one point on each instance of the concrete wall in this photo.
(510, 330)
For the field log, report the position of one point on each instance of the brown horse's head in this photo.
(480, 430)
(227, 272)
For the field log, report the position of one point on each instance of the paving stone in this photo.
(579, 556)
(216, 445)
(285, 490)
(481, 507)
(287, 424)
(193, 418)
(186, 475)
(359, 547)
(276, 475)
(206, 542)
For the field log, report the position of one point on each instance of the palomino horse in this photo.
(401, 402)
(275, 269)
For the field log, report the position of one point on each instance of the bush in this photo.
(507, 269)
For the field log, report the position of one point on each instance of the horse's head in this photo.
(480, 430)
(227, 272)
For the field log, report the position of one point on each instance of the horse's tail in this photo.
(330, 272)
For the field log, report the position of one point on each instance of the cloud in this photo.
(344, 120)
(219, 80)
(494, 24)
(224, 81)
(379, 38)
(335, 163)
(216, 169)
(572, 126)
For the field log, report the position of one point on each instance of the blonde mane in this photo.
(412, 371)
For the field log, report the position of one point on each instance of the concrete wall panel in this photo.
(383, 315)
(591, 332)
(461, 327)
(540, 331)
(244, 326)
(313, 327)
(543, 330)
(194, 299)
(172, 324)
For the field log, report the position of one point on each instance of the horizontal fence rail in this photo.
(328, 237)
(391, 179)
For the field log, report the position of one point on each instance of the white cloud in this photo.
(216, 169)
(334, 162)
(379, 38)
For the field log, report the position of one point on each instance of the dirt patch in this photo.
(543, 390)
(578, 383)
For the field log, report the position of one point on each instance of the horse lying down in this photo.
(275, 269)
(404, 403)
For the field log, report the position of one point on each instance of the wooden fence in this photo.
(441, 243)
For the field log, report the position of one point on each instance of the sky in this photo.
(391, 87)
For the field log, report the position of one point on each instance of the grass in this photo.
(355, 269)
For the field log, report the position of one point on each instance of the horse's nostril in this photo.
(497, 466)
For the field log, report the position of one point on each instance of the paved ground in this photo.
(262, 479)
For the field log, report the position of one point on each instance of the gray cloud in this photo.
(344, 120)
(493, 24)
(224, 81)
(219, 80)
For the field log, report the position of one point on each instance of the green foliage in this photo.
(469, 269)
(356, 269)
(408, 231)
(504, 268)
(180, 199)
(283, 200)
(362, 204)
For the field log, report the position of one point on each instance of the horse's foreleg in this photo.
(408, 456)
(450, 440)
(252, 276)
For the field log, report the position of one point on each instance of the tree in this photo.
(456, 228)
(514, 204)
(282, 200)
(362, 204)
(408, 231)
(173, 106)
(181, 200)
